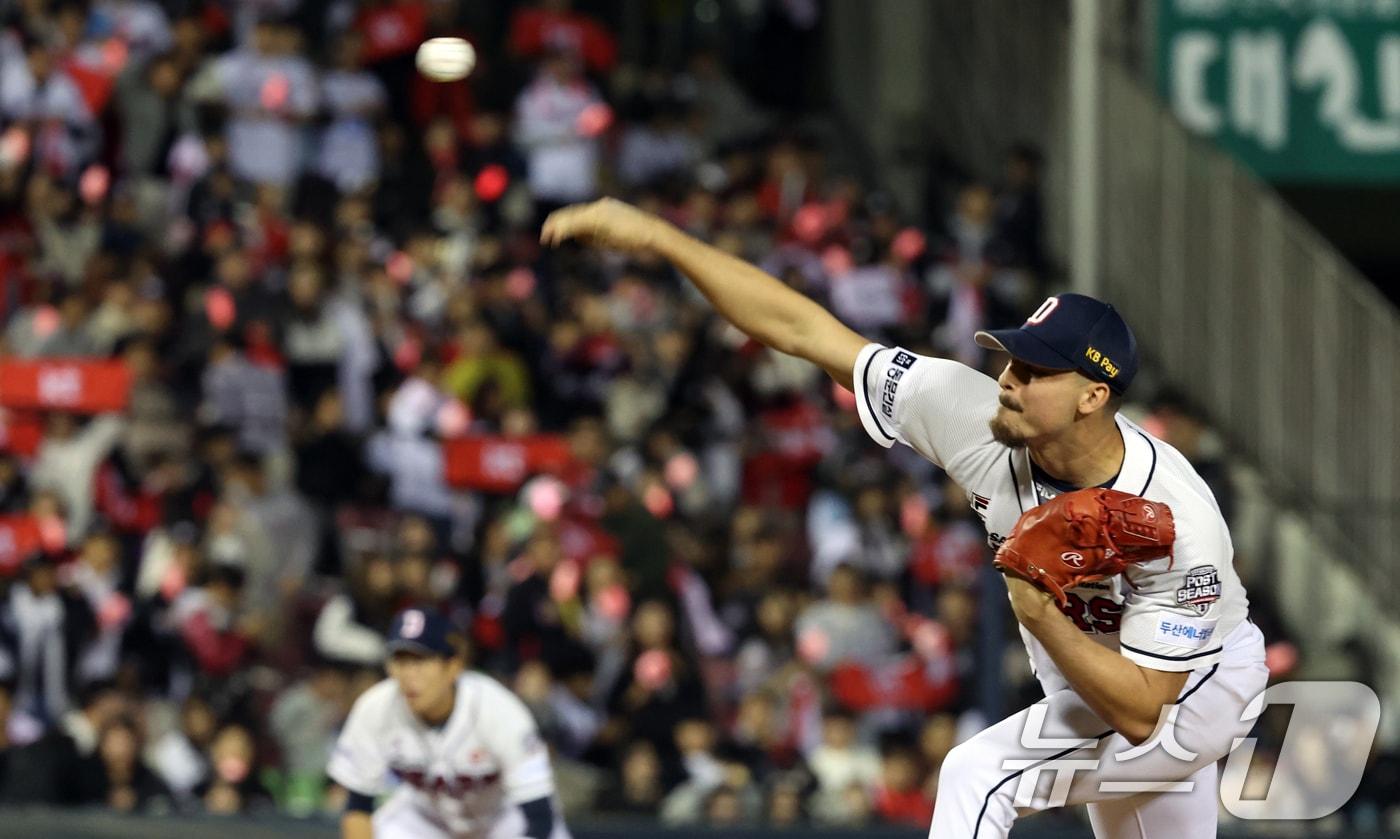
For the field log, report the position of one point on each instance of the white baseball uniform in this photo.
(1188, 613)
(462, 780)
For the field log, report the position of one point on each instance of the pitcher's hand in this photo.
(605, 223)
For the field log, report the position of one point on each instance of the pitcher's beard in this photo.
(1003, 433)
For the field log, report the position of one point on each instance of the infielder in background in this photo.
(464, 750)
(1168, 640)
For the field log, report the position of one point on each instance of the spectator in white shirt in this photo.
(658, 147)
(353, 97)
(141, 24)
(558, 118)
(249, 397)
(270, 91)
(67, 460)
(35, 90)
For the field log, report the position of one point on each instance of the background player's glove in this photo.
(1085, 535)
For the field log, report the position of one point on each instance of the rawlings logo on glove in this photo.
(1085, 535)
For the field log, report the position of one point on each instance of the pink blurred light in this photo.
(399, 267)
(658, 501)
(53, 533)
(837, 261)
(564, 582)
(93, 184)
(114, 55)
(545, 496)
(1155, 426)
(1281, 658)
(453, 418)
(909, 244)
(114, 611)
(174, 581)
(491, 183)
(14, 146)
(274, 92)
(813, 645)
(232, 769)
(682, 470)
(45, 321)
(220, 308)
(653, 669)
(614, 601)
(520, 283)
(930, 640)
(594, 120)
(407, 355)
(810, 223)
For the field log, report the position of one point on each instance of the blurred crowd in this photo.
(352, 381)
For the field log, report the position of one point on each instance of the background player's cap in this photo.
(1073, 332)
(421, 631)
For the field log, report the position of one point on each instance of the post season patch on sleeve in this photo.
(1200, 588)
(899, 365)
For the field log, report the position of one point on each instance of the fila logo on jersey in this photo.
(1200, 589)
(979, 506)
(901, 364)
(1072, 559)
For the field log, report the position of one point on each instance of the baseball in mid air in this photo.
(446, 59)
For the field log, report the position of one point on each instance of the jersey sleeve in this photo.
(1171, 611)
(938, 407)
(357, 761)
(513, 738)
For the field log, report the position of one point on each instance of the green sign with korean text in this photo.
(1299, 90)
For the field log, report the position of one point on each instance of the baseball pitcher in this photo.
(1118, 564)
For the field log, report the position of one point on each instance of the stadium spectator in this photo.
(845, 625)
(552, 25)
(270, 91)
(351, 625)
(558, 120)
(353, 99)
(48, 625)
(44, 771)
(117, 776)
(898, 798)
(846, 772)
(216, 630)
(639, 788)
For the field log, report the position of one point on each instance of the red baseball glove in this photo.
(1085, 535)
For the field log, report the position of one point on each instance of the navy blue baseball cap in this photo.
(1072, 332)
(421, 631)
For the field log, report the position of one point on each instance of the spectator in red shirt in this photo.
(554, 25)
(898, 798)
(212, 626)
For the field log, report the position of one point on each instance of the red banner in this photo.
(501, 464)
(20, 433)
(79, 385)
